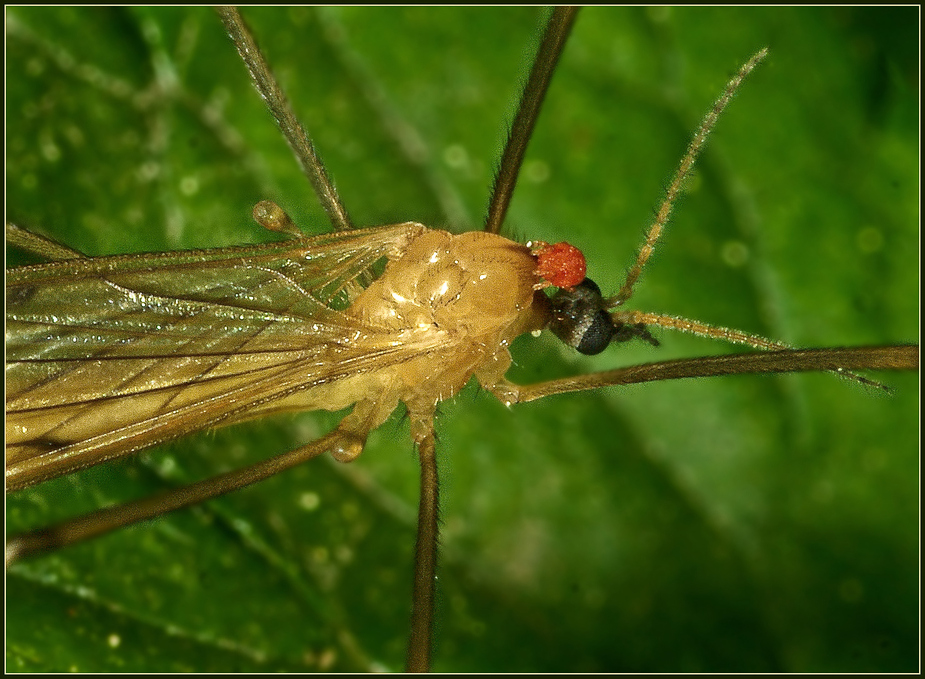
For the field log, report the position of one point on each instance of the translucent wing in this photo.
(109, 355)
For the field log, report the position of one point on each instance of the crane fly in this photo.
(647, 518)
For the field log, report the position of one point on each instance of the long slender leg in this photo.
(98, 523)
(557, 31)
(902, 357)
(290, 126)
(425, 555)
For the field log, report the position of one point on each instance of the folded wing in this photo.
(109, 355)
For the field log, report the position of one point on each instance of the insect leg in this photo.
(557, 31)
(279, 106)
(425, 554)
(98, 523)
(901, 357)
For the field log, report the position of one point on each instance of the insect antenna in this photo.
(677, 184)
(587, 321)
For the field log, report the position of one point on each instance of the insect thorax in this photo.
(457, 301)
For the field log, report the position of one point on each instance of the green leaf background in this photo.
(736, 524)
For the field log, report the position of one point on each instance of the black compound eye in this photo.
(580, 320)
(597, 335)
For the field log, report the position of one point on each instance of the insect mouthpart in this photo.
(581, 320)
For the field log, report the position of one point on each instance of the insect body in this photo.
(255, 331)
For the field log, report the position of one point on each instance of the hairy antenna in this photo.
(687, 163)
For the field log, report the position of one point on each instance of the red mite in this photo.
(561, 265)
